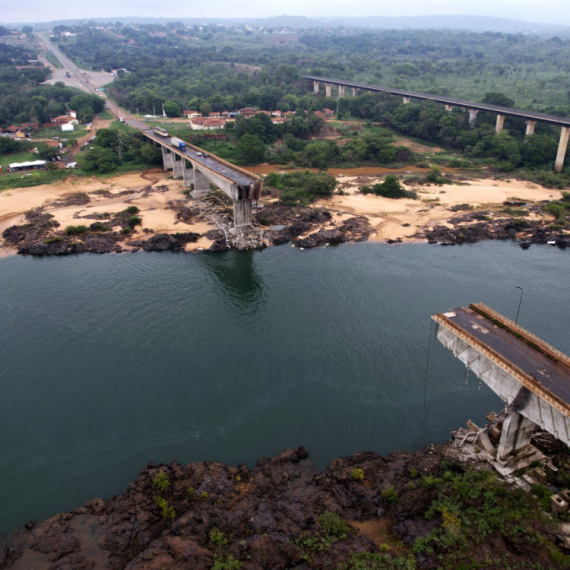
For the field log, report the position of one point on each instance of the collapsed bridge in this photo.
(531, 376)
(197, 168)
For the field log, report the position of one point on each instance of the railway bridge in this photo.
(473, 108)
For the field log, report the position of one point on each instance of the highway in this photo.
(212, 162)
(527, 115)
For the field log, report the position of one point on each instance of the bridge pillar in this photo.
(406, 100)
(201, 185)
(530, 127)
(516, 434)
(472, 116)
(316, 86)
(562, 146)
(177, 166)
(328, 89)
(167, 158)
(242, 213)
(449, 108)
(187, 174)
(354, 91)
(341, 90)
(500, 123)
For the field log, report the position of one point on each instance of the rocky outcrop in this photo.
(279, 515)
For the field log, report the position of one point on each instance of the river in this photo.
(108, 362)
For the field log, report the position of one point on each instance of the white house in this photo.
(67, 127)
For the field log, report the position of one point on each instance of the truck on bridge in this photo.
(177, 143)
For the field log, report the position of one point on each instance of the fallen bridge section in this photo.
(531, 376)
(197, 168)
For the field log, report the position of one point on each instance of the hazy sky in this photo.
(546, 11)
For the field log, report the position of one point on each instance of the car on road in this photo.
(198, 154)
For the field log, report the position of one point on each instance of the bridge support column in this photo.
(472, 116)
(316, 86)
(516, 434)
(242, 213)
(354, 91)
(341, 90)
(201, 185)
(328, 89)
(500, 123)
(530, 127)
(167, 158)
(449, 108)
(177, 167)
(406, 100)
(187, 174)
(562, 146)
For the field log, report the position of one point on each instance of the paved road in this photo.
(235, 176)
(551, 375)
(528, 115)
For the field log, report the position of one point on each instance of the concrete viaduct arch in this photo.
(473, 108)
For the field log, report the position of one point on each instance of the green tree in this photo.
(205, 109)
(172, 109)
(250, 149)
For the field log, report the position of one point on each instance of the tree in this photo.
(27, 29)
(85, 114)
(101, 159)
(250, 149)
(172, 109)
(205, 109)
(495, 98)
(46, 152)
(151, 154)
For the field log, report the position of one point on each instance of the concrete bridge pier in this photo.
(177, 167)
(449, 108)
(187, 174)
(530, 127)
(328, 89)
(562, 146)
(242, 213)
(406, 100)
(500, 123)
(341, 90)
(472, 116)
(167, 159)
(201, 185)
(354, 91)
(516, 434)
(316, 86)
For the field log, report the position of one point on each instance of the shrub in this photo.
(357, 474)
(264, 221)
(135, 221)
(411, 486)
(166, 509)
(75, 230)
(390, 496)
(230, 563)
(204, 495)
(414, 473)
(331, 524)
(132, 210)
(126, 230)
(429, 482)
(217, 537)
(191, 492)
(390, 188)
(54, 239)
(161, 482)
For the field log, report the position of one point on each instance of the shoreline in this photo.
(171, 220)
(276, 515)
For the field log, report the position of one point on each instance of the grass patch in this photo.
(75, 230)
(19, 180)
(25, 156)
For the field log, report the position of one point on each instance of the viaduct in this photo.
(530, 117)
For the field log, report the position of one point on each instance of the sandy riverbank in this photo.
(153, 193)
(397, 219)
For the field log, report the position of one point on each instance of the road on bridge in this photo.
(209, 162)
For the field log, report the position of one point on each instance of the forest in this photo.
(210, 68)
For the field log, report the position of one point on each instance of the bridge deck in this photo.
(528, 115)
(535, 359)
(234, 176)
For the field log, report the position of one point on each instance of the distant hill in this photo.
(472, 23)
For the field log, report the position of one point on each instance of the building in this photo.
(329, 112)
(277, 120)
(207, 123)
(276, 114)
(321, 115)
(73, 114)
(247, 112)
(192, 114)
(215, 114)
(67, 127)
